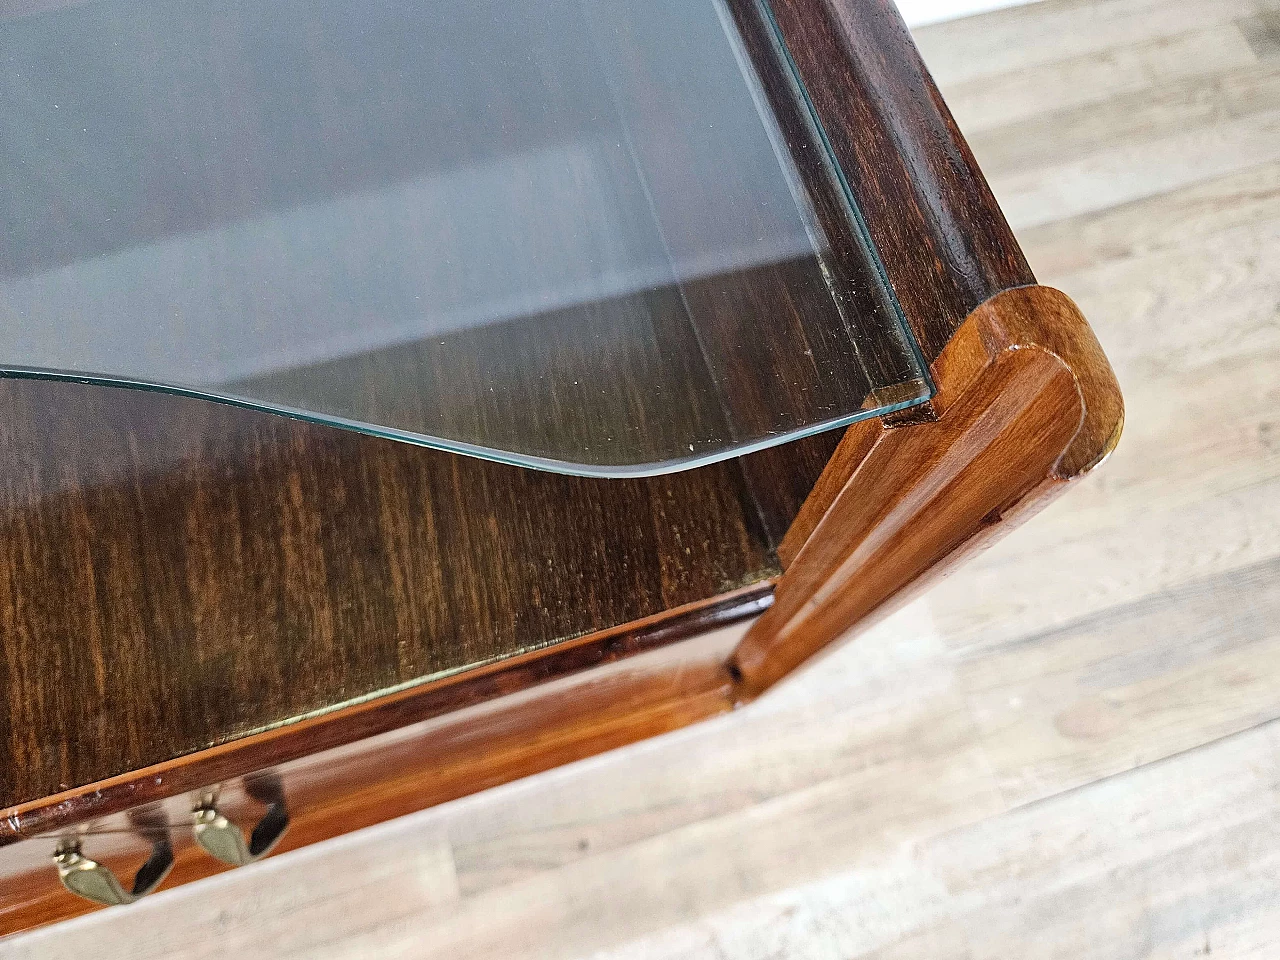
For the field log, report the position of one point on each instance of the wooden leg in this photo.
(1026, 402)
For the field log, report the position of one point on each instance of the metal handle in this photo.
(223, 840)
(91, 880)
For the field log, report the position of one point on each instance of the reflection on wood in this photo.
(578, 235)
(653, 378)
(1027, 403)
(177, 573)
(1070, 744)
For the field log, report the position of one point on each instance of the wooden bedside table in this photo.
(719, 282)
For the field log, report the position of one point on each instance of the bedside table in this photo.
(401, 402)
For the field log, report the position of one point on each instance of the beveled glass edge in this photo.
(505, 457)
(855, 212)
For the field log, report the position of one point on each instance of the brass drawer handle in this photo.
(91, 880)
(223, 840)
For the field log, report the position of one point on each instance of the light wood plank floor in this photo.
(1069, 749)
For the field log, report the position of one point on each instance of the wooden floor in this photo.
(1070, 749)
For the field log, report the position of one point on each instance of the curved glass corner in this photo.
(590, 236)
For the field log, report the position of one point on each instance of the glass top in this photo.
(592, 236)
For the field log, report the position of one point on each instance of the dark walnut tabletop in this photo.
(399, 399)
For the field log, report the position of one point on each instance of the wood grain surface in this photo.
(424, 760)
(1068, 748)
(183, 574)
(1016, 420)
(358, 725)
(178, 573)
(277, 539)
(1026, 402)
(944, 241)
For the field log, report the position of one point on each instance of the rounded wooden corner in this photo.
(1020, 318)
(1046, 318)
(1025, 401)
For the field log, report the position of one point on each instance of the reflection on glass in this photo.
(589, 235)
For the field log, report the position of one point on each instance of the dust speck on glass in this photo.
(592, 236)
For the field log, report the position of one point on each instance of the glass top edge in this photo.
(920, 391)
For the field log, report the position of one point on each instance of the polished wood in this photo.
(334, 790)
(945, 244)
(1035, 318)
(450, 563)
(1067, 744)
(239, 571)
(178, 573)
(686, 368)
(1026, 403)
(358, 722)
(514, 559)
